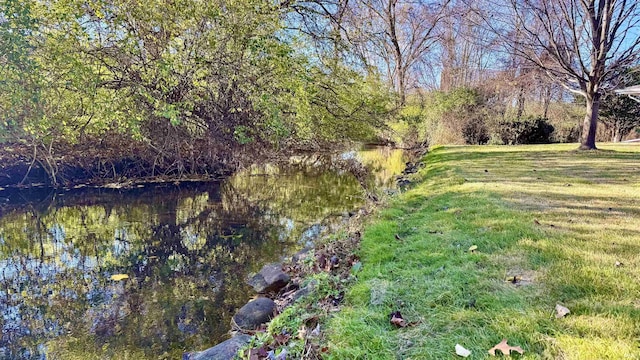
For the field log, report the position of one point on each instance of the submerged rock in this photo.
(270, 278)
(223, 351)
(255, 313)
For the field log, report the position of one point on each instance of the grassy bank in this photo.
(556, 220)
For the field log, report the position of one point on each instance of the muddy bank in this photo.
(98, 162)
(102, 161)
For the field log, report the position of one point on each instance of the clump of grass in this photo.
(558, 221)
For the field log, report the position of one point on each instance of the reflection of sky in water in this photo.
(349, 155)
(287, 228)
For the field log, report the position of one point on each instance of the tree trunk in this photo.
(590, 123)
(546, 99)
(401, 87)
(617, 133)
(520, 110)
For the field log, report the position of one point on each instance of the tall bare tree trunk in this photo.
(402, 91)
(546, 99)
(590, 123)
(520, 110)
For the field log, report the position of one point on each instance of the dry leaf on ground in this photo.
(316, 331)
(282, 339)
(258, 353)
(461, 351)
(505, 348)
(397, 319)
(561, 311)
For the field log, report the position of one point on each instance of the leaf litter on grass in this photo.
(399, 321)
(461, 351)
(561, 311)
(505, 348)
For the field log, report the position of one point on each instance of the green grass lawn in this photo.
(556, 219)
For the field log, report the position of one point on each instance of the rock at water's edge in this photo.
(255, 313)
(270, 278)
(224, 351)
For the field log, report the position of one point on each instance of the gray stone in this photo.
(305, 290)
(301, 255)
(224, 351)
(254, 314)
(270, 279)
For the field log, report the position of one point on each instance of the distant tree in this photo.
(581, 44)
(394, 36)
(620, 113)
(467, 50)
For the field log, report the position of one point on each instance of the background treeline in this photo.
(117, 89)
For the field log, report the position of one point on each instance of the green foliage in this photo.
(18, 85)
(190, 81)
(339, 104)
(457, 116)
(473, 116)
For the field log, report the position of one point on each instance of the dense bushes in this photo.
(476, 116)
(529, 130)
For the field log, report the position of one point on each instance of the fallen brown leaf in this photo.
(282, 339)
(505, 348)
(514, 279)
(302, 332)
(397, 319)
(258, 353)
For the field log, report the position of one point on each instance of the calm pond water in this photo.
(186, 249)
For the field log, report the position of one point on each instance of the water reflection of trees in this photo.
(187, 251)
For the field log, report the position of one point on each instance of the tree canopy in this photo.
(187, 86)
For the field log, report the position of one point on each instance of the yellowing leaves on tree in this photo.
(119, 277)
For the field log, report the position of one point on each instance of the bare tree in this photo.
(580, 44)
(467, 49)
(394, 35)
